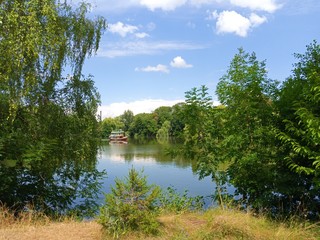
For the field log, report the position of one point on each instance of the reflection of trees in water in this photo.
(150, 151)
(52, 185)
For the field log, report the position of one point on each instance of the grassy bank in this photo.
(212, 224)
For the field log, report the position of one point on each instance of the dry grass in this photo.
(232, 224)
(227, 225)
(53, 231)
(213, 224)
(33, 225)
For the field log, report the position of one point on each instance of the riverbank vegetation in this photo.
(48, 124)
(266, 132)
(135, 208)
(211, 224)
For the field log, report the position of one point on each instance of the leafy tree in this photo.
(127, 119)
(38, 40)
(204, 132)
(143, 126)
(162, 114)
(177, 120)
(197, 114)
(302, 130)
(163, 132)
(299, 130)
(46, 116)
(248, 119)
(109, 124)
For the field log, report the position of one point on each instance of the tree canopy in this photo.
(47, 107)
(265, 136)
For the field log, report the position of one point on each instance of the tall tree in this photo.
(162, 114)
(177, 121)
(48, 108)
(163, 132)
(144, 126)
(248, 118)
(39, 39)
(109, 124)
(302, 126)
(127, 119)
(197, 114)
(299, 130)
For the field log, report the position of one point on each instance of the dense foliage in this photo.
(47, 107)
(164, 122)
(266, 135)
(299, 130)
(269, 136)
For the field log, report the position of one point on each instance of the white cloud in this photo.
(158, 68)
(141, 106)
(256, 20)
(260, 5)
(121, 49)
(170, 5)
(212, 15)
(122, 29)
(166, 5)
(142, 35)
(199, 3)
(179, 62)
(233, 22)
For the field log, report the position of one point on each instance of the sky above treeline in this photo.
(153, 51)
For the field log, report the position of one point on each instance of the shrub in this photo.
(131, 206)
(170, 200)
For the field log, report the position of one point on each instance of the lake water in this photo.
(160, 168)
(70, 183)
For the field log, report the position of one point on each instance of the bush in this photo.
(171, 201)
(131, 206)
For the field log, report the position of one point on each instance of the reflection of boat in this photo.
(118, 137)
(117, 142)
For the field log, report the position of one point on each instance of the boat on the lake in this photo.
(118, 136)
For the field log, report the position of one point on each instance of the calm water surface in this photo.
(160, 169)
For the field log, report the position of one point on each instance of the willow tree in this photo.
(43, 47)
(47, 107)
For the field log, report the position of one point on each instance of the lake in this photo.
(160, 168)
(75, 181)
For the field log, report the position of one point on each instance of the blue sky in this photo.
(155, 50)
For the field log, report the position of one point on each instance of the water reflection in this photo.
(152, 152)
(63, 183)
(160, 168)
(55, 185)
